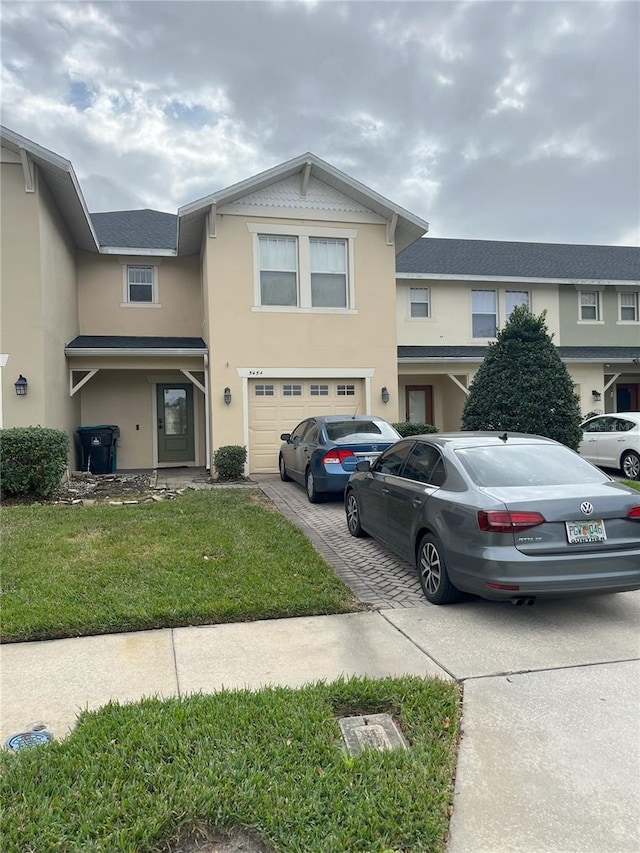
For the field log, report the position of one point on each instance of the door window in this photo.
(424, 465)
(392, 460)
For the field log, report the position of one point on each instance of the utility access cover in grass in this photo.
(377, 731)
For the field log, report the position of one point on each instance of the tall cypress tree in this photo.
(523, 385)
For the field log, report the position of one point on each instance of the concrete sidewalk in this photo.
(549, 759)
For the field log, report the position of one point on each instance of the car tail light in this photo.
(634, 513)
(503, 521)
(337, 455)
(512, 587)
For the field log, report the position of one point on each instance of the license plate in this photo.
(585, 531)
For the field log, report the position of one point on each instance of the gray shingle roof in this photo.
(136, 229)
(569, 353)
(134, 342)
(439, 256)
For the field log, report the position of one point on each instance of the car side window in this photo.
(392, 460)
(299, 431)
(598, 425)
(422, 463)
(623, 426)
(311, 433)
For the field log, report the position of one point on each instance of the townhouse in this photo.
(296, 291)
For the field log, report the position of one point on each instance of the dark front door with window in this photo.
(419, 404)
(175, 423)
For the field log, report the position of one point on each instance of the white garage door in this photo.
(278, 405)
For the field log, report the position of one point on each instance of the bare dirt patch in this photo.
(200, 838)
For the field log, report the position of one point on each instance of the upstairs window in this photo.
(328, 260)
(484, 313)
(140, 284)
(278, 270)
(513, 298)
(419, 301)
(589, 306)
(628, 305)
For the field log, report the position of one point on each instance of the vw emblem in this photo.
(586, 508)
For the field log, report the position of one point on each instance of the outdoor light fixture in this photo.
(596, 395)
(21, 386)
(227, 395)
(385, 395)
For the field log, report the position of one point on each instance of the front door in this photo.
(419, 404)
(627, 398)
(175, 423)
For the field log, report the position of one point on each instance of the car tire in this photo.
(283, 470)
(631, 465)
(432, 572)
(352, 508)
(310, 485)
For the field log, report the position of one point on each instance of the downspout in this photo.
(207, 415)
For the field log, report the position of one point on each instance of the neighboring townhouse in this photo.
(297, 291)
(453, 295)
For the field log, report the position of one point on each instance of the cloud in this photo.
(493, 119)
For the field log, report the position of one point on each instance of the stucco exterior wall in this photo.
(450, 307)
(364, 337)
(609, 331)
(101, 291)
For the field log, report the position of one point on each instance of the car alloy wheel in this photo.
(631, 465)
(434, 580)
(353, 516)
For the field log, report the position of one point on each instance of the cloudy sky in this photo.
(491, 120)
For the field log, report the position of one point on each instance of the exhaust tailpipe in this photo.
(521, 600)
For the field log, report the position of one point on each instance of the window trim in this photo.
(598, 320)
(410, 315)
(155, 296)
(622, 293)
(303, 233)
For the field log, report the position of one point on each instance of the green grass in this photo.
(207, 557)
(130, 777)
(635, 484)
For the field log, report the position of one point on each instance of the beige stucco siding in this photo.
(38, 304)
(258, 339)
(101, 290)
(449, 323)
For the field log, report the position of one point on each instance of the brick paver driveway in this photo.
(374, 574)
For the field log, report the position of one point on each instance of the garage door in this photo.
(278, 406)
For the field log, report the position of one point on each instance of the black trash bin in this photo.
(98, 448)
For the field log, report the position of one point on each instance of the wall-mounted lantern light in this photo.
(227, 395)
(596, 396)
(385, 395)
(21, 386)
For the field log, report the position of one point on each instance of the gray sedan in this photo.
(502, 516)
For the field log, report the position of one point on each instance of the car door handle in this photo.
(385, 492)
(417, 502)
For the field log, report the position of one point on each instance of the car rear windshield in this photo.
(342, 432)
(527, 465)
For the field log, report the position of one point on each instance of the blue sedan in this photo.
(321, 453)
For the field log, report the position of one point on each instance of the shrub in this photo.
(523, 386)
(406, 428)
(32, 460)
(229, 462)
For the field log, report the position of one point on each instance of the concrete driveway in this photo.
(550, 752)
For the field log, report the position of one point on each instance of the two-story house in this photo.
(453, 295)
(297, 291)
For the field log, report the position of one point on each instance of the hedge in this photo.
(406, 428)
(32, 460)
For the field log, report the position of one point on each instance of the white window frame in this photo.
(303, 233)
(427, 302)
(495, 291)
(155, 296)
(598, 318)
(503, 299)
(636, 295)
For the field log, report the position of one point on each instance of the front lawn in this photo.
(206, 557)
(134, 778)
